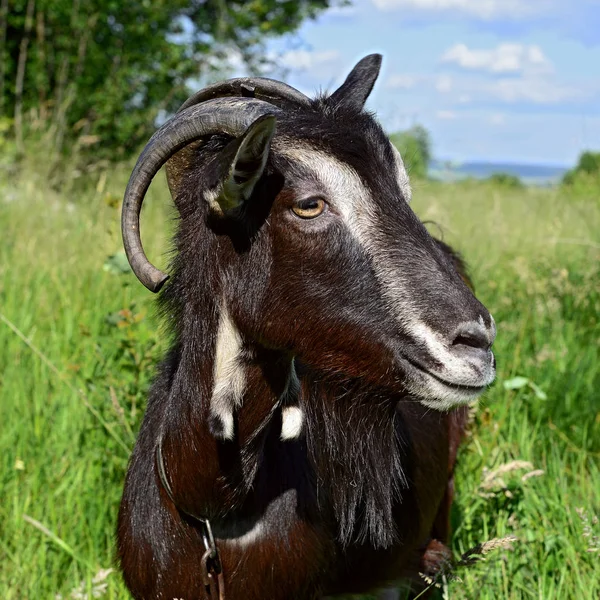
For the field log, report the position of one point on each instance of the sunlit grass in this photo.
(535, 262)
(79, 341)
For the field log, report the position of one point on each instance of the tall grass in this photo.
(79, 341)
(535, 261)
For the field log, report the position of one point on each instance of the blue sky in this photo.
(498, 80)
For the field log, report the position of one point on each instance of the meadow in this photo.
(79, 340)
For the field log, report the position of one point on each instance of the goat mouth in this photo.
(434, 391)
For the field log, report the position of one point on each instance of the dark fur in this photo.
(356, 501)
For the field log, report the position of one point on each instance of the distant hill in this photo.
(529, 174)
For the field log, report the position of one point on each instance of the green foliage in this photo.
(505, 180)
(99, 72)
(73, 388)
(586, 170)
(117, 264)
(414, 145)
(589, 162)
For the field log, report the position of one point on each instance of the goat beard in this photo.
(353, 444)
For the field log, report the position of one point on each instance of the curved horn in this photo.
(261, 88)
(275, 92)
(231, 116)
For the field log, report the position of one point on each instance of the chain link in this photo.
(212, 569)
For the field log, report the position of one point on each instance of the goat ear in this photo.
(353, 93)
(250, 152)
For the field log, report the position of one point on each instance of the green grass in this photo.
(78, 344)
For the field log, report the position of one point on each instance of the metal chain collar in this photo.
(211, 567)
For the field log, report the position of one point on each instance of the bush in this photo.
(506, 180)
(587, 168)
(414, 145)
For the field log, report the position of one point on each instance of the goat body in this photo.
(324, 349)
(273, 502)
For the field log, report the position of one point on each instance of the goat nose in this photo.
(475, 335)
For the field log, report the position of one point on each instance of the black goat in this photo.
(316, 325)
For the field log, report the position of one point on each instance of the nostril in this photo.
(468, 340)
(473, 335)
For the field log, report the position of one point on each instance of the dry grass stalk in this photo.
(471, 557)
(98, 589)
(493, 481)
(535, 473)
(479, 552)
(592, 538)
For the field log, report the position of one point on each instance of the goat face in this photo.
(320, 255)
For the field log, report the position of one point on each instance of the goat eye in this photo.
(309, 208)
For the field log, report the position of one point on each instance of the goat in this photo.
(301, 434)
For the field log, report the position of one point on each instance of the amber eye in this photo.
(309, 208)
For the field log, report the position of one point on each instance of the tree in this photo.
(414, 145)
(588, 166)
(100, 71)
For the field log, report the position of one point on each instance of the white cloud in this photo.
(505, 58)
(402, 82)
(305, 60)
(529, 88)
(534, 90)
(509, 73)
(497, 119)
(444, 84)
(482, 9)
(446, 115)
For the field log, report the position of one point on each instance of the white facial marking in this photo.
(229, 376)
(450, 386)
(292, 420)
(352, 199)
(492, 329)
(457, 370)
(402, 175)
(348, 194)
